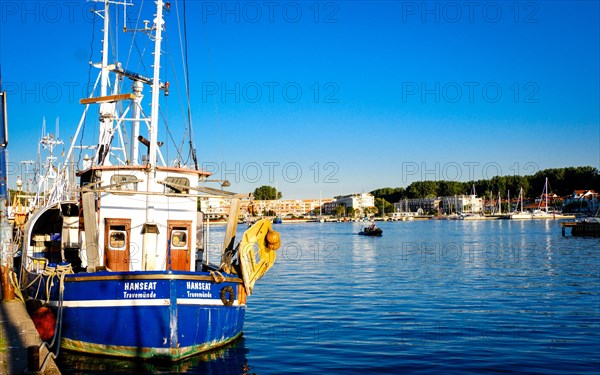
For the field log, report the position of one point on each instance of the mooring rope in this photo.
(60, 271)
(217, 276)
(17, 285)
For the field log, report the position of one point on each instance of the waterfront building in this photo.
(440, 205)
(462, 204)
(358, 202)
(583, 201)
(286, 207)
(424, 205)
(217, 208)
(214, 207)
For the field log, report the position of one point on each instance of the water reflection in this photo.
(472, 296)
(230, 359)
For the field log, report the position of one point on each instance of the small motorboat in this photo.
(371, 230)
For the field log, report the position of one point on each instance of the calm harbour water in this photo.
(451, 297)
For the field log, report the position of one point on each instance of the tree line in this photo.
(561, 181)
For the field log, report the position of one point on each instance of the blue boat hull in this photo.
(170, 315)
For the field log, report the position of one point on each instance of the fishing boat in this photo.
(119, 256)
(372, 230)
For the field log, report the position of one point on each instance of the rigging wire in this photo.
(88, 87)
(185, 133)
(187, 87)
(165, 106)
(165, 116)
(215, 100)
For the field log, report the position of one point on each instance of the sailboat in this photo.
(122, 260)
(277, 219)
(542, 213)
(520, 214)
(320, 219)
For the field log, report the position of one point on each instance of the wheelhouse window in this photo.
(117, 237)
(124, 182)
(177, 185)
(179, 238)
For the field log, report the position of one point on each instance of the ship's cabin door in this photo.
(180, 247)
(116, 244)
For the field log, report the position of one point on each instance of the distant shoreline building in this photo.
(441, 205)
(358, 202)
(216, 208)
(286, 207)
(462, 204)
(583, 201)
(418, 205)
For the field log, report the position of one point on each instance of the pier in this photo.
(581, 228)
(17, 334)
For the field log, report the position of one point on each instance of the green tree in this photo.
(339, 211)
(422, 189)
(350, 212)
(390, 194)
(562, 181)
(451, 188)
(383, 206)
(369, 210)
(266, 193)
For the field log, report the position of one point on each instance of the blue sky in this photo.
(336, 97)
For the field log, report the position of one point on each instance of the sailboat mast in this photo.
(546, 189)
(521, 195)
(499, 203)
(320, 204)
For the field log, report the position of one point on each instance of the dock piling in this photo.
(33, 359)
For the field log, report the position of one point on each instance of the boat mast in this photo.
(320, 204)
(546, 189)
(107, 113)
(104, 67)
(4, 196)
(158, 25)
(135, 128)
(521, 195)
(499, 203)
(150, 230)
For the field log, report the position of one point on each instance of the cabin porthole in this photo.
(227, 296)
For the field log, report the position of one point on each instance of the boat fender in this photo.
(273, 240)
(227, 296)
(44, 322)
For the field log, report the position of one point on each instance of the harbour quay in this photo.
(17, 334)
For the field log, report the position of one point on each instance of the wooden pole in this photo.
(33, 359)
(6, 255)
(228, 241)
